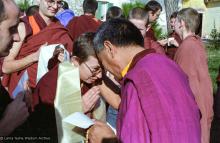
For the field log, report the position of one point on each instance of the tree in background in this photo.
(215, 37)
(126, 7)
(170, 7)
(23, 4)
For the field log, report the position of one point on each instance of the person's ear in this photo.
(110, 49)
(75, 61)
(182, 24)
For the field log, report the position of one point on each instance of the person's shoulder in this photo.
(191, 42)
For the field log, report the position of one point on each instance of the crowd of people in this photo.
(149, 90)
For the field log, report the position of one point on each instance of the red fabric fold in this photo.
(82, 24)
(55, 33)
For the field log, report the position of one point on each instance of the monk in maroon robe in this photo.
(153, 9)
(45, 92)
(58, 35)
(39, 29)
(86, 22)
(171, 47)
(192, 58)
(157, 104)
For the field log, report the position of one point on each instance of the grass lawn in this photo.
(213, 63)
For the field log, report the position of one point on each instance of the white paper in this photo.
(20, 86)
(114, 130)
(82, 121)
(79, 119)
(46, 52)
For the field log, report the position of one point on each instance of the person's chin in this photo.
(88, 81)
(52, 13)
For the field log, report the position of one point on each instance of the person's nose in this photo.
(99, 75)
(55, 6)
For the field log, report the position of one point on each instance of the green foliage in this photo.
(23, 5)
(214, 34)
(215, 37)
(126, 7)
(158, 32)
(213, 63)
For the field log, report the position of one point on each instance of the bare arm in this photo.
(10, 64)
(110, 92)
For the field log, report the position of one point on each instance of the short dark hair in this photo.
(65, 5)
(2, 11)
(173, 15)
(32, 10)
(191, 18)
(114, 12)
(138, 13)
(153, 6)
(90, 6)
(84, 47)
(119, 32)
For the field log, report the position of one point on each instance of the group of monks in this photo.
(161, 89)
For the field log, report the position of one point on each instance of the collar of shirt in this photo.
(125, 70)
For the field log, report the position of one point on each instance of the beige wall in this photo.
(211, 14)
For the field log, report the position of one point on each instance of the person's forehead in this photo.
(12, 11)
(173, 19)
(138, 22)
(92, 59)
(158, 12)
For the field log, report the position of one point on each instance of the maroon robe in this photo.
(191, 57)
(55, 33)
(82, 24)
(171, 50)
(39, 21)
(150, 42)
(45, 90)
(157, 104)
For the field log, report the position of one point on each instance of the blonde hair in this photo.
(191, 18)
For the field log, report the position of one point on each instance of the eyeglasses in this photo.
(94, 71)
(52, 3)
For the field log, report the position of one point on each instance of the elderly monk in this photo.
(157, 104)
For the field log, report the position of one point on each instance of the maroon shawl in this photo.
(55, 33)
(82, 24)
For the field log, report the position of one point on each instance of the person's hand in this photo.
(61, 57)
(174, 42)
(15, 114)
(163, 42)
(90, 98)
(28, 96)
(100, 132)
(59, 54)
